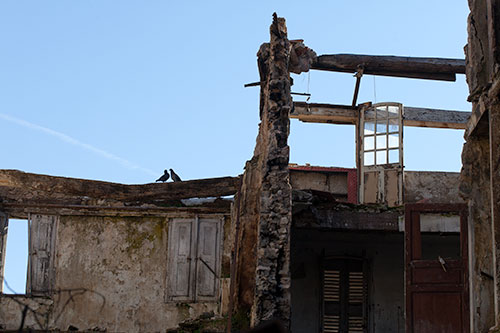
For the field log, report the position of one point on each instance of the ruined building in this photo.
(322, 249)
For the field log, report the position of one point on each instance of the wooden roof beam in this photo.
(324, 113)
(29, 188)
(345, 114)
(443, 69)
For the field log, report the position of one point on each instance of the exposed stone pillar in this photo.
(272, 274)
(260, 279)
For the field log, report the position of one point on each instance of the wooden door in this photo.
(436, 274)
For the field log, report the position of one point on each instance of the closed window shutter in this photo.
(331, 300)
(180, 249)
(41, 255)
(357, 297)
(4, 223)
(208, 256)
(344, 296)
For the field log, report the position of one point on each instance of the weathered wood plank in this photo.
(22, 210)
(18, 186)
(410, 67)
(437, 118)
(413, 116)
(324, 113)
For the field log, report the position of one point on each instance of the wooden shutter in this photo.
(208, 250)
(180, 275)
(4, 223)
(344, 296)
(357, 299)
(331, 299)
(42, 229)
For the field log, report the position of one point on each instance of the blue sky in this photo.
(120, 90)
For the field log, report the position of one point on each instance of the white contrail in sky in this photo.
(75, 142)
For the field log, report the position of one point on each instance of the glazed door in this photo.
(436, 268)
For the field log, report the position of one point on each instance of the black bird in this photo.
(175, 177)
(164, 177)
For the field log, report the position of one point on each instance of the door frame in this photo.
(413, 252)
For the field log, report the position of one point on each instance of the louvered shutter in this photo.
(344, 296)
(180, 263)
(4, 223)
(331, 299)
(208, 259)
(356, 298)
(42, 233)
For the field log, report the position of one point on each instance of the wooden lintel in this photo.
(443, 69)
(344, 114)
(22, 210)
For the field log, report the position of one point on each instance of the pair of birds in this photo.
(166, 176)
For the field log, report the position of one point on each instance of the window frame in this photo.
(38, 283)
(376, 109)
(197, 266)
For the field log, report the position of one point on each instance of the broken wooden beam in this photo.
(324, 113)
(346, 114)
(22, 187)
(436, 118)
(410, 67)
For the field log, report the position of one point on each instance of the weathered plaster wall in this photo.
(245, 215)
(12, 306)
(480, 174)
(111, 274)
(431, 187)
(475, 180)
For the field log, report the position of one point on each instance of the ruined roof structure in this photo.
(300, 248)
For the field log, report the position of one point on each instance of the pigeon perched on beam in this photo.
(175, 177)
(164, 177)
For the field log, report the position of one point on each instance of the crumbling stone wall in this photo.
(263, 205)
(264, 199)
(272, 275)
(480, 176)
